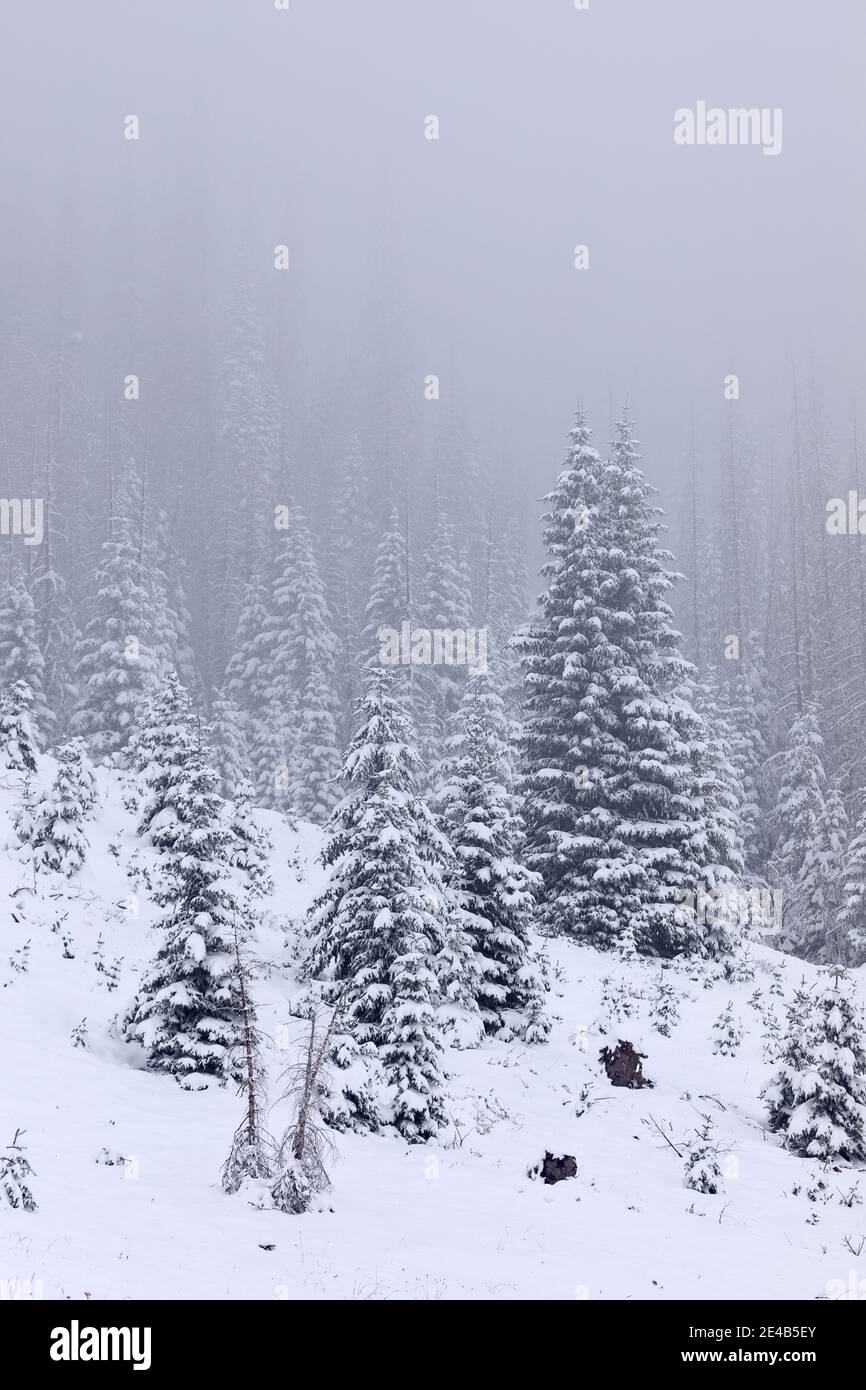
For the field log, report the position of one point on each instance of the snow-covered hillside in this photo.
(127, 1165)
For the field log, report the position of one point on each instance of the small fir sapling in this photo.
(703, 1171)
(15, 1173)
(727, 1033)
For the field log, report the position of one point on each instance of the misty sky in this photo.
(307, 127)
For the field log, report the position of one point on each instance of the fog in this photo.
(306, 127)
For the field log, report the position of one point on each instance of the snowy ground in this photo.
(458, 1219)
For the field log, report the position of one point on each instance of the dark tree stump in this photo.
(623, 1065)
(555, 1169)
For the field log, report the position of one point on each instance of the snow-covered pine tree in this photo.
(819, 882)
(246, 682)
(251, 846)
(494, 892)
(794, 1057)
(175, 614)
(664, 1008)
(54, 827)
(347, 571)
(227, 739)
(188, 1013)
(389, 602)
(727, 1033)
(380, 924)
(116, 657)
(851, 919)
(21, 656)
(506, 602)
(165, 739)
(315, 784)
(15, 1175)
(807, 860)
(298, 655)
(702, 1171)
(718, 845)
(828, 1119)
(446, 606)
(267, 723)
(56, 627)
(617, 825)
(17, 743)
(739, 710)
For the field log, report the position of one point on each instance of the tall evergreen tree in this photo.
(389, 602)
(616, 823)
(380, 924)
(17, 743)
(165, 741)
(824, 1099)
(851, 923)
(494, 892)
(54, 828)
(807, 861)
(21, 656)
(116, 656)
(299, 655)
(227, 737)
(188, 1014)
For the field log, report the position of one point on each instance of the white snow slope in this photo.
(456, 1219)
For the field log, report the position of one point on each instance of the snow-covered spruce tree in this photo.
(54, 827)
(807, 860)
(828, 1120)
(174, 617)
(247, 438)
(380, 924)
(315, 785)
(165, 738)
(793, 1056)
(820, 882)
(21, 657)
(56, 628)
(445, 607)
(494, 893)
(718, 846)
(389, 602)
(15, 1175)
(506, 606)
(727, 1033)
(740, 707)
(851, 919)
(298, 660)
(250, 846)
(616, 822)
(702, 1171)
(246, 679)
(664, 1008)
(188, 1014)
(115, 659)
(227, 739)
(267, 720)
(17, 743)
(349, 556)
